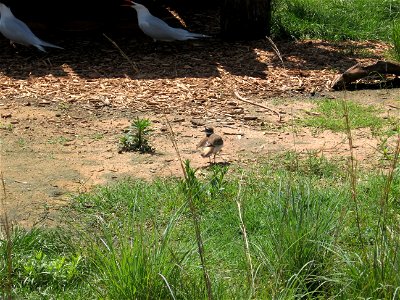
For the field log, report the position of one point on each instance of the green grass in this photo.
(135, 239)
(8, 127)
(331, 113)
(45, 264)
(395, 41)
(59, 140)
(336, 19)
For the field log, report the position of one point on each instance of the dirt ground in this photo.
(63, 113)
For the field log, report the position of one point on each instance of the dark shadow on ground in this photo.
(90, 55)
(374, 85)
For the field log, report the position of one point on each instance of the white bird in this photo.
(18, 32)
(158, 30)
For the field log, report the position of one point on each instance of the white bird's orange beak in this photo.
(129, 4)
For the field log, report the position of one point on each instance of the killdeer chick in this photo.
(211, 143)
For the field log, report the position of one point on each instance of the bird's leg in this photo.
(155, 45)
(13, 44)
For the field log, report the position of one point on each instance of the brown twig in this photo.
(259, 105)
(276, 50)
(175, 145)
(123, 54)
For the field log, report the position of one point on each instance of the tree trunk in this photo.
(245, 19)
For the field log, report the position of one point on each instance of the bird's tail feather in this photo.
(207, 151)
(198, 35)
(189, 35)
(40, 48)
(46, 44)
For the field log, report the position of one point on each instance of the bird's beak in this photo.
(129, 4)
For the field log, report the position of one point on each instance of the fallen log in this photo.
(358, 71)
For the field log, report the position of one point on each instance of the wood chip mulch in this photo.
(191, 78)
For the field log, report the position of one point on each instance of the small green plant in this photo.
(97, 136)
(22, 143)
(8, 127)
(62, 140)
(217, 180)
(136, 139)
(64, 106)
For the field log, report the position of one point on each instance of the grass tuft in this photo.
(137, 137)
(43, 263)
(331, 116)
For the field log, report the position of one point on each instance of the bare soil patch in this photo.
(62, 113)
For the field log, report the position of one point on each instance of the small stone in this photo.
(250, 117)
(178, 120)
(237, 111)
(231, 132)
(44, 103)
(56, 193)
(229, 123)
(6, 115)
(197, 122)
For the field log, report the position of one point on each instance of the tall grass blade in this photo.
(192, 192)
(250, 272)
(384, 205)
(352, 170)
(7, 230)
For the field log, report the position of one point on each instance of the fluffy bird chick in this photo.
(211, 144)
(18, 32)
(158, 30)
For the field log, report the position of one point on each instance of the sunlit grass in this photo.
(330, 116)
(135, 239)
(336, 20)
(395, 41)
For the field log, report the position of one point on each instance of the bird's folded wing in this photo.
(158, 29)
(18, 32)
(203, 143)
(215, 140)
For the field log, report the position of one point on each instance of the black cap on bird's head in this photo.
(208, 130)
